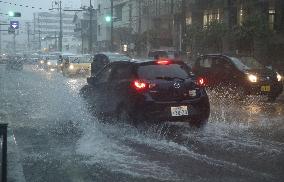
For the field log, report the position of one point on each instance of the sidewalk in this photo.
(15, 168)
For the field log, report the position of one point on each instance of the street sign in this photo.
(14, 24)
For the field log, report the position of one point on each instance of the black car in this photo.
(244, 75)
(163, 90)
(104, 58)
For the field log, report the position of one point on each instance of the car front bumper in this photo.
(274, 89)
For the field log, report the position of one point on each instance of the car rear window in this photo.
(158, 53)
(153, 71)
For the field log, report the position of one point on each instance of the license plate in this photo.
(265, 88)
(179, 111)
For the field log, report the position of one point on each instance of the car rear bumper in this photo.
(161, 111)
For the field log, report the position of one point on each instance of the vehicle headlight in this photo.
(41, 62)
(48, 63)
(279, 77)
(71, 67)
(252, 78)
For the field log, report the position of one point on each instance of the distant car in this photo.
(162, 54)
(102, 59)
(48, 62)
(77, 66)
(245, 75)
(161, 91)
(15, 63)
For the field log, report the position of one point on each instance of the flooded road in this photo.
(59, 140)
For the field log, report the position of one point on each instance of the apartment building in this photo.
(47, 26)
(263, 19)
(138, 24)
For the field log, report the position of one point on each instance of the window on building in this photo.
(241, 14)
(130, 12)
(99, 8)
(118, 13)
(99, 29)
(210, 16)
(188, 19)
(271, 18)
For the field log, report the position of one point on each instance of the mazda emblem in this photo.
(176, 85)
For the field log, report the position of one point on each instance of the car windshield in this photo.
(170, 71)
(118, 57)
(78, 59)
(158, 53)
(52, 57)
(245, 63)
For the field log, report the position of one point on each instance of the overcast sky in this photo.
(27, 13)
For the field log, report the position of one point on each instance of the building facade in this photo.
(251, 27)
(47, 28)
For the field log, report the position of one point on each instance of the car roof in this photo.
(216, 55)
(142, 61)
(110, 53)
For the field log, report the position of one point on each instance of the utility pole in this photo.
(55, 42)
(39, 39)
(0, 39)
(111, 25)
(60, 31)
(183, 26)
(34, 27)
(91, 28)
(28, 31)
(39, 33)
(59, 3)
(139, 28)
(90, 9)
(14, 41)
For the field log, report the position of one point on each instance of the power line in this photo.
(20, 5)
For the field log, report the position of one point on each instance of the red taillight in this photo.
(140, 85)
(201, 81)
(163, 62)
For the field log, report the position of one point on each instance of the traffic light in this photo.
(108, 18)
(11, 30)
(14, 14)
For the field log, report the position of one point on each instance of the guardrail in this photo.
(3, 135)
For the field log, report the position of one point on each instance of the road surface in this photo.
(53, 137)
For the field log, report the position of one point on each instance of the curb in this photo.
(15, 168)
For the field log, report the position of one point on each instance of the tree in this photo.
(253, 29)
(206, 39)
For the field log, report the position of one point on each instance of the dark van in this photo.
(244, 75)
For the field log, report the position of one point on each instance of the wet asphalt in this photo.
(54, 137)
